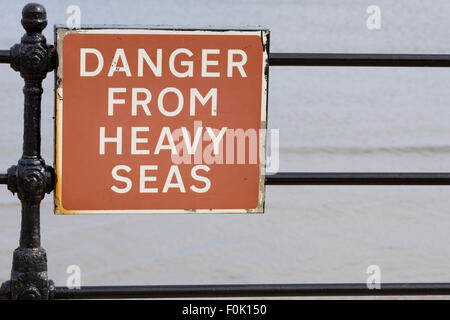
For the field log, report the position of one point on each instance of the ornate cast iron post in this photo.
(31, 178)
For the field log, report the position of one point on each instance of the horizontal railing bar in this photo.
(359, 60)
(341, 59)
(347, 178)
(359, 178)
(251, 290)
(4, 56)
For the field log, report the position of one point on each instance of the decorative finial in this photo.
(34, 17)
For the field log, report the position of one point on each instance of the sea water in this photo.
(330, 119)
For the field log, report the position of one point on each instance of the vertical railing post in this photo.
(31, 178)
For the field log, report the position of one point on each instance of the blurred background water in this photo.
(330, 119)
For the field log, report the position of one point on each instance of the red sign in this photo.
(166, 121)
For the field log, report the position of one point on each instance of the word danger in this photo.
(236, 59)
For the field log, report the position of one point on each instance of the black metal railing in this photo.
(359, 178)
(31, 179)
(251, 290)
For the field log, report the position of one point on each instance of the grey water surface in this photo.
(330, 119)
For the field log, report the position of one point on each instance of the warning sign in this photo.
(160, 121)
